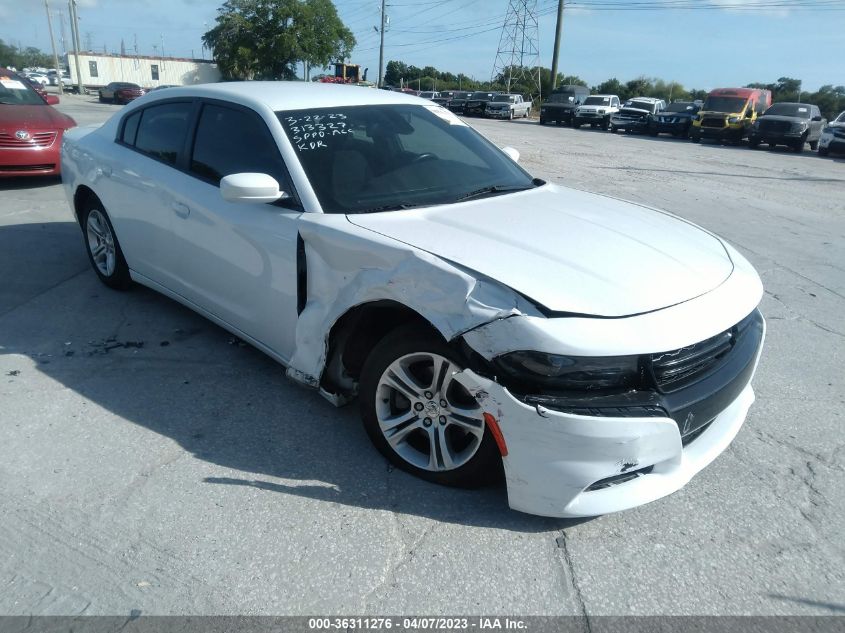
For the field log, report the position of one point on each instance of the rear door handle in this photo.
(183, 211)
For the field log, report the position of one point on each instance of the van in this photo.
(728, 113)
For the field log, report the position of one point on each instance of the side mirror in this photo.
(251, 188)
(51, 100)
(818, 117)
(512, 153)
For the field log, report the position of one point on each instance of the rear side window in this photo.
(161, 132)
(230, 141)
(130, 129)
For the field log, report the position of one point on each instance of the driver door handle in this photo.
(183, 211)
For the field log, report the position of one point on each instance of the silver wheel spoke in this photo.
(399, 378)
(440, 369)
(440, 449)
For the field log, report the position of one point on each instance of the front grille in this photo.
(36, 139)
(32, 168)
(711, 122)
(774, 126)
(679, 367)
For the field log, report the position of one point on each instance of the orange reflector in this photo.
(497, 434)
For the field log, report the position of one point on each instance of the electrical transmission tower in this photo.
(518, 57)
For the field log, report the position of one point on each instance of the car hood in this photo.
(568, 250)
(637, 111)
(33, 117)
(594, 108)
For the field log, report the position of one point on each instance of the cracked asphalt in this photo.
(150, 464)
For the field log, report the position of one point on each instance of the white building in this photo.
(148, 72)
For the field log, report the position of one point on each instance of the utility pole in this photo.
(381, 48)
(53, 44)
(558, 31)
(74, 34)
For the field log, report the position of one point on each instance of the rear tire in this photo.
(103, 249)
(753, 143)
(418, 414)
(823, 151)
(814, 145)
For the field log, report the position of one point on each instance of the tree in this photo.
(264, 39)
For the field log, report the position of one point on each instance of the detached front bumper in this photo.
(565, 465)
(575, 461)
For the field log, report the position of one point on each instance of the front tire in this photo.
(814, 145)
(420, 416)
(824, 151)
(103, 249)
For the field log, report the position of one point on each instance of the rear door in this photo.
(141, 173)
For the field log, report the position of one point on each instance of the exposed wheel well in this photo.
(355, 334)
(82, 195)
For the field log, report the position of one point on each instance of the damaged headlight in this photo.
(581, 373)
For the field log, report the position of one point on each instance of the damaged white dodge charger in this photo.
(598, 352)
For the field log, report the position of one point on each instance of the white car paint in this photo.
(550, 269)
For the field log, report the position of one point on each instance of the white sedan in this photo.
(596, 352)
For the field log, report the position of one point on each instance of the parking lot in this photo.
(152, 464)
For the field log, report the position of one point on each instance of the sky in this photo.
(721, 43)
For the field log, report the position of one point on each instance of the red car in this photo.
(121, 92)
(30, 129)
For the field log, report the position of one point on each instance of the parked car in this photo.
(31, 130)
(833, 136)
(458, 101)
(39, 78)
(561, 104)
(429, 94)
(445, 97)
(121, 92)
(792, 124)
(507, 106)
(636, 115)
(596, 110)
(338, 232)
(163, 86)
(477, 102)
(729, 113)
(55, 77)
(675, 119)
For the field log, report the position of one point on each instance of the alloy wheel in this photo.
(426, 415)
(100, 242)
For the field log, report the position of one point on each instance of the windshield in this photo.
(790, 109)
(503, 98)
(372, 158)
(724, 104)
(481, 95)
(640, 105)
(13, 91)
(680, 106)
(597, 101)
(561, 97)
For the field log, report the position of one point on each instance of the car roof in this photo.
(606, 96)
(291, 95)
(645, 99)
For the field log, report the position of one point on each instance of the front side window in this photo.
(370, 158)
(232, 141)
(162, 129)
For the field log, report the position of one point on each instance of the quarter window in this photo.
(161, 133)
(230, 141)
(130, 129)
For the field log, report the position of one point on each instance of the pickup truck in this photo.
(636, 114)
(596, 110)
(477, 103)
(790, 124)
(507, 106)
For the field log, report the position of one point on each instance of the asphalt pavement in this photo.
(152, 464)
